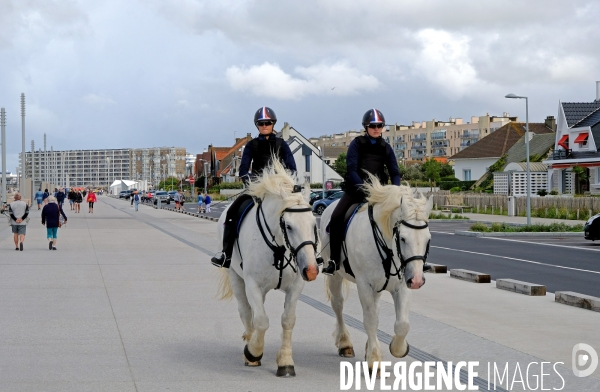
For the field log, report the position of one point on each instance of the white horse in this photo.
(401, 225)
(280, 229)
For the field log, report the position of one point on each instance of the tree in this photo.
(432, 169)
(414, 173)
(340, 165)
(446, 170)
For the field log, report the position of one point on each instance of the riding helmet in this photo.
(373, 116)
(263, 114)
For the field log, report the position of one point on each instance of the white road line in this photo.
(515, 259)
(526, 242)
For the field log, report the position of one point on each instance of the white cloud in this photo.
(97, 99)
(269, 80)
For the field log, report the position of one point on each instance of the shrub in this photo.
(455, 189)
(481, 227)
(542, 192)
(449, 178)
(554, 192)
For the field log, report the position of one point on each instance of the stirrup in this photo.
(219, 261)
(330, 269)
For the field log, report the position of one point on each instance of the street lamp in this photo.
(526, 153)
(204, 167)
(108, 174)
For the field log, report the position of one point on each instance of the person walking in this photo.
(71, 197)
(91, 199)
(60, 197)
(207, 202)
(200, 201)
(18, 211)
(45, 196)
(181, 201)
(39, 197)
(177, 200)
(51, 218)
(78, 201)
(136, 200)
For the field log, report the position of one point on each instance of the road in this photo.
(561, 264)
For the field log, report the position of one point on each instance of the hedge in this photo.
(464, 185)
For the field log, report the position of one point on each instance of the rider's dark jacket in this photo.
(258, 152)
(372, 155)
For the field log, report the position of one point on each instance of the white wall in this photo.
(478, 167)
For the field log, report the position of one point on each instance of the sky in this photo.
(188, 73)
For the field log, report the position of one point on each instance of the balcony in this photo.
(468, 143)
(418, 146)
(469, 135)
(439, 153)
(419, 138)
(561, 154)
(444, 143)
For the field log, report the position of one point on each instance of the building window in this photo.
(307, 163)
(467, 174)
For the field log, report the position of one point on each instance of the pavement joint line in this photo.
(112, 310)
(386, 338)
(516, 259)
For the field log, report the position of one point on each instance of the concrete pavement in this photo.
(127, 303)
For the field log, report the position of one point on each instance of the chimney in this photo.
(551, 123)
(598, 91)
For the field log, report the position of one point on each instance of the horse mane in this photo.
(275, 180)
(388, 198)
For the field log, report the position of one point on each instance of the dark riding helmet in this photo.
(373, 116)
(265, 114)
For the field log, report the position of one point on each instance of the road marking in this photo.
(525, 242)
(513, 258)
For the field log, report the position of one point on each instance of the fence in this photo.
(548, 206)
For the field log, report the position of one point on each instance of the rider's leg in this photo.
(229, 234)
(336, 233)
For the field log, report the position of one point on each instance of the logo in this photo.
(584, 360)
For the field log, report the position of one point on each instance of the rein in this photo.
(387, 254)
(280, 261)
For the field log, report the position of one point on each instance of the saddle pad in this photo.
(348, 217)
(242, 211)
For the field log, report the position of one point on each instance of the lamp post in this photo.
(204, 167)
(108, 174)
(526, 153)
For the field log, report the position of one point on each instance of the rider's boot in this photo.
(224, 260)
(331, 268)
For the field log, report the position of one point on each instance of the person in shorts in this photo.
(18, 211)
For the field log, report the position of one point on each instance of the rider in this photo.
(370, 153)
(257, 152)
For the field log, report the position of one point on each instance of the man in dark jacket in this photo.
(60, 197)
(367, 153)
(258, 153)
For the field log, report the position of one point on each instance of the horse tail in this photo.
(224, 292)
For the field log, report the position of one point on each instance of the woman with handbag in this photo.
(51, 218)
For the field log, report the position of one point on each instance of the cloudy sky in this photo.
(147, 73)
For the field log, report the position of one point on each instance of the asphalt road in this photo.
(561, 264)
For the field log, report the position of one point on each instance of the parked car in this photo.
(172, 194)
(125, 194)
(592, 228)
(320, 205)
(162, 195)
(315, 195)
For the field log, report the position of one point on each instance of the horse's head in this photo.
(300, 232)
(298, 225)
(413, 238)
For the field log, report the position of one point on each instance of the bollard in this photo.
(158, 203)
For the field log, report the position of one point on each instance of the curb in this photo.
(470, 276)
(521, 287)
(452, 220)
(437, 269)
(527, 234)
(578, 300)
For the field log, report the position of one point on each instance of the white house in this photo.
(577, 144)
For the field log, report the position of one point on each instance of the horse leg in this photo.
(239, 290)
(369, 300)
(253, 351)
(399, 346)
(285, 362)
(341, 334)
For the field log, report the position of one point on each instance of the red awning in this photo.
(582, 138)
(563, 142)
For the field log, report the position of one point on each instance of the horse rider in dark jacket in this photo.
(258, 153)
(367, 153)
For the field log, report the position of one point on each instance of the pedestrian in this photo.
(71, 196)
(136, 200)
(176, 199)
(91, 199)
(45, 196)
(18, 211)
(200, 201)
(60, 197)
(181, 200)
(39, 197)
(51, 218)
(78, 201)
(207, 203)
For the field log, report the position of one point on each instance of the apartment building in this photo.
(99, 168)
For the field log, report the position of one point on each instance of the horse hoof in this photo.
(347, 352)
(405, 354)
(249, 359)
(286, 371)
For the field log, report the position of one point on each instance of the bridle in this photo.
(280, 260)
(387, 254)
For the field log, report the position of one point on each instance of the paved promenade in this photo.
(127, 303)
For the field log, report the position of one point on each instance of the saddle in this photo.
(241, 213)
(347, 220)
